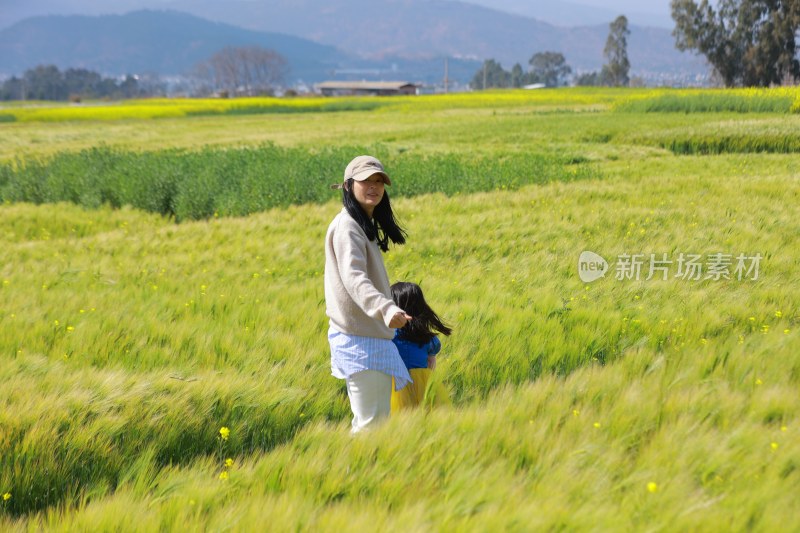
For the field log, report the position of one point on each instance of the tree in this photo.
(517, 77)
(247, 70)
(615, 72)
(490, 75)
(549, 68)
(747, 42)
(129, 87)
(82, 83)
(591, 79)
(13, 89)
(44, 83)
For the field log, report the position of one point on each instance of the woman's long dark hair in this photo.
(382, 227)
(425, 322)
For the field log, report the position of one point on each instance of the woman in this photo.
(362, 315)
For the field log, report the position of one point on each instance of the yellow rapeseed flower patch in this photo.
(183, 107)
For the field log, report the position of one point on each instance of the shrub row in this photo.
(734, 144)
(235, 182)
(710, 102)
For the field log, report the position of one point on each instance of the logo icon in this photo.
(591, 266)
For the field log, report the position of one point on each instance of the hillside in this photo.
(169, 43)
(427, 27)
(165, 42)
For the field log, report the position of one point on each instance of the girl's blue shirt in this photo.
(415, 354)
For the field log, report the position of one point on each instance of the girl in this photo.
(358, 301)
(418, 345)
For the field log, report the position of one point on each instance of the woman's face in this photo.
(369, 192)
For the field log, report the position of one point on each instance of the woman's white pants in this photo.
(370, 394)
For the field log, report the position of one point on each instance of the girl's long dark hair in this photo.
(425, 322)
(382, 227)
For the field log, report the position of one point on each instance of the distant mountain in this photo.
(164, 42)
(169, 43)
(425, 28)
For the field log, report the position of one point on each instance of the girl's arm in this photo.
(433, 348)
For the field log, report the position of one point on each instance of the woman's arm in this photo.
(349, 245)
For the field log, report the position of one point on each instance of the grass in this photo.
(127, 341)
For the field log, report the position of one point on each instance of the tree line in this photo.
(46, 82)
(232, 71)
(550, 68)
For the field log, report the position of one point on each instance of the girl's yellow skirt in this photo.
(423, 391)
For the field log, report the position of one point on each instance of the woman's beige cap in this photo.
(361, 168)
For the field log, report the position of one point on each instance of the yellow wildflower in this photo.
(228, 462)
(6, 496)
(223, 475)
(224, 432)
(652, 487)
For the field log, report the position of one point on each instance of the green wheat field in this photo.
(163, 354)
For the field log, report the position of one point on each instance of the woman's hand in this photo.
(432, 362)
(399, 320)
